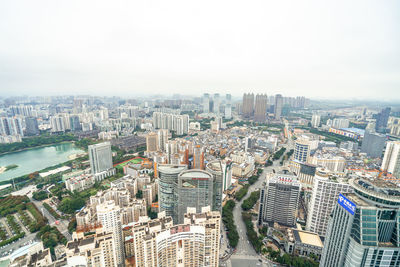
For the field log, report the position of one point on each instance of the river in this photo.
(36, 159)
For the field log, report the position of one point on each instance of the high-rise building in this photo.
(315, 120)
(198, 157)
(325, 192)
(260, 113)
(222, 174)
(278, 106)
(96, 249)
(26, 111)
(248, 106)
(211, 221)
(364, 226)
(301, 150)
(391, 159)
(339, 123)
(32, 127)
(206, 103)
(228, 111)
(151, 142)
(279, 200)
(162, 138)
(75, 123)
(11, 126)
(373, 144)
(108, 214)
(167, 179)
(217, 103)
(382, 120)
(228, 106)
(195, 190)
(173, 122)
(159, 243)
(100, 158)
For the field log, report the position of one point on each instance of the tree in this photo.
(139, 194)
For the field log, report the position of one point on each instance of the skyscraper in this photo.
(222, 174)
(167, 179)
(108, 214)
(206, 103)
(325, 192)
(228, 107)
(32, 127)
(373, 144)
(364, 226)
(100, 158)
(193, 190)
(260, 113)
(248, 106)
(382, 120)
(391, 159)
(217, 103)
(279, 200)
(278, 106)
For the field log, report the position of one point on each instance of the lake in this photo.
(36, 159)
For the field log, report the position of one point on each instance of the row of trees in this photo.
(227, 218)
(249, 202)
(36, 141)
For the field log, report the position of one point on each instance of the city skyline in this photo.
(314, 49)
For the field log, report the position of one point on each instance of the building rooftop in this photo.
(195, 174)
(308, 238)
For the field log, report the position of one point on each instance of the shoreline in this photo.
(41, 146)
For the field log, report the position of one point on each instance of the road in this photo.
(245, 253)
(63, 224)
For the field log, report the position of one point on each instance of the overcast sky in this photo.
(344, 48)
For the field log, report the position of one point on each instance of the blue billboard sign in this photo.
(347, 204)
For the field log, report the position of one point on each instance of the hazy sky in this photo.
(337, 48)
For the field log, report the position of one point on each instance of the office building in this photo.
(315, 120)
(260, 113)
(248, 106)
(325, 192)
(32, 127)
(373, 144)
(391, 159)
(301, 150)
(108, 214)
(100, 158)
(364, 226)
(195, 190)
(279, 200)
(167, 179)
(334, 164)
(382, 120)
(278, 106)
(152, 142)
(222, 175)
(206, 103)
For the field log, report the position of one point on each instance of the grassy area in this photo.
(133, 160)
